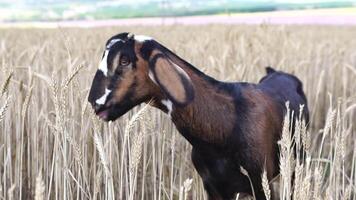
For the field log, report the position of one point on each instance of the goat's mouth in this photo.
(113, 112)
(103, 113)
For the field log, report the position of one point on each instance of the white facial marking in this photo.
(142, 38)
(169, 106)
(112, 42)
(103, 66)
(102, 100)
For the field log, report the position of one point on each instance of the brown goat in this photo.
(229, 125)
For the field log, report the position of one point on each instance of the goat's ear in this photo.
(172, 79)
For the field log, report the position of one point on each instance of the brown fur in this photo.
(265, 128)
(125, 83)
(145, 84)
(209, 114)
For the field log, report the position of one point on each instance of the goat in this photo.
(229, 124)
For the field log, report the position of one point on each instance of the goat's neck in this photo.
(210, 116)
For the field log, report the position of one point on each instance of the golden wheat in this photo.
(5, 85)
(265, 185)
(40, 188)
(49, 136)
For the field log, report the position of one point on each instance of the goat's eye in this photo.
(124, 60)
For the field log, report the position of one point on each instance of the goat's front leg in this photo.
(203, 171)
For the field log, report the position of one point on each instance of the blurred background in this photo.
(234, 11)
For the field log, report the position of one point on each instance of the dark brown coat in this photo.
(229, 125)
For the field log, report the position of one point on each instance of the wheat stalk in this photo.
(104, 161)
(4, 108)
(1, 190)
(184, 190)
(237, 196)
(134, 119)
(100, 147)
(26, 102)
(265, 185)
(244, 172)
(286, 156)
(97, 183)
(187, 186)
(71, 76)
(298, 181)
(305, 189)
(329, 121)
(10, 191)
(136, 147)
(317, 184)
(5, 85)
(40, 188)
(348, 192)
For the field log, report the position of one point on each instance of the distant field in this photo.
(335, 16)
(46, 10)
(52, 147)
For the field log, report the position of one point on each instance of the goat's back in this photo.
(284, 87)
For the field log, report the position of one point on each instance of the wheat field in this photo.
(53, 147)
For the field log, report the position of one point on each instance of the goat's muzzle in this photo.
(101, 111)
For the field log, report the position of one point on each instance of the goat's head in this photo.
(136, 69)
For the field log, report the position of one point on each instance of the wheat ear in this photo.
(40, 188)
